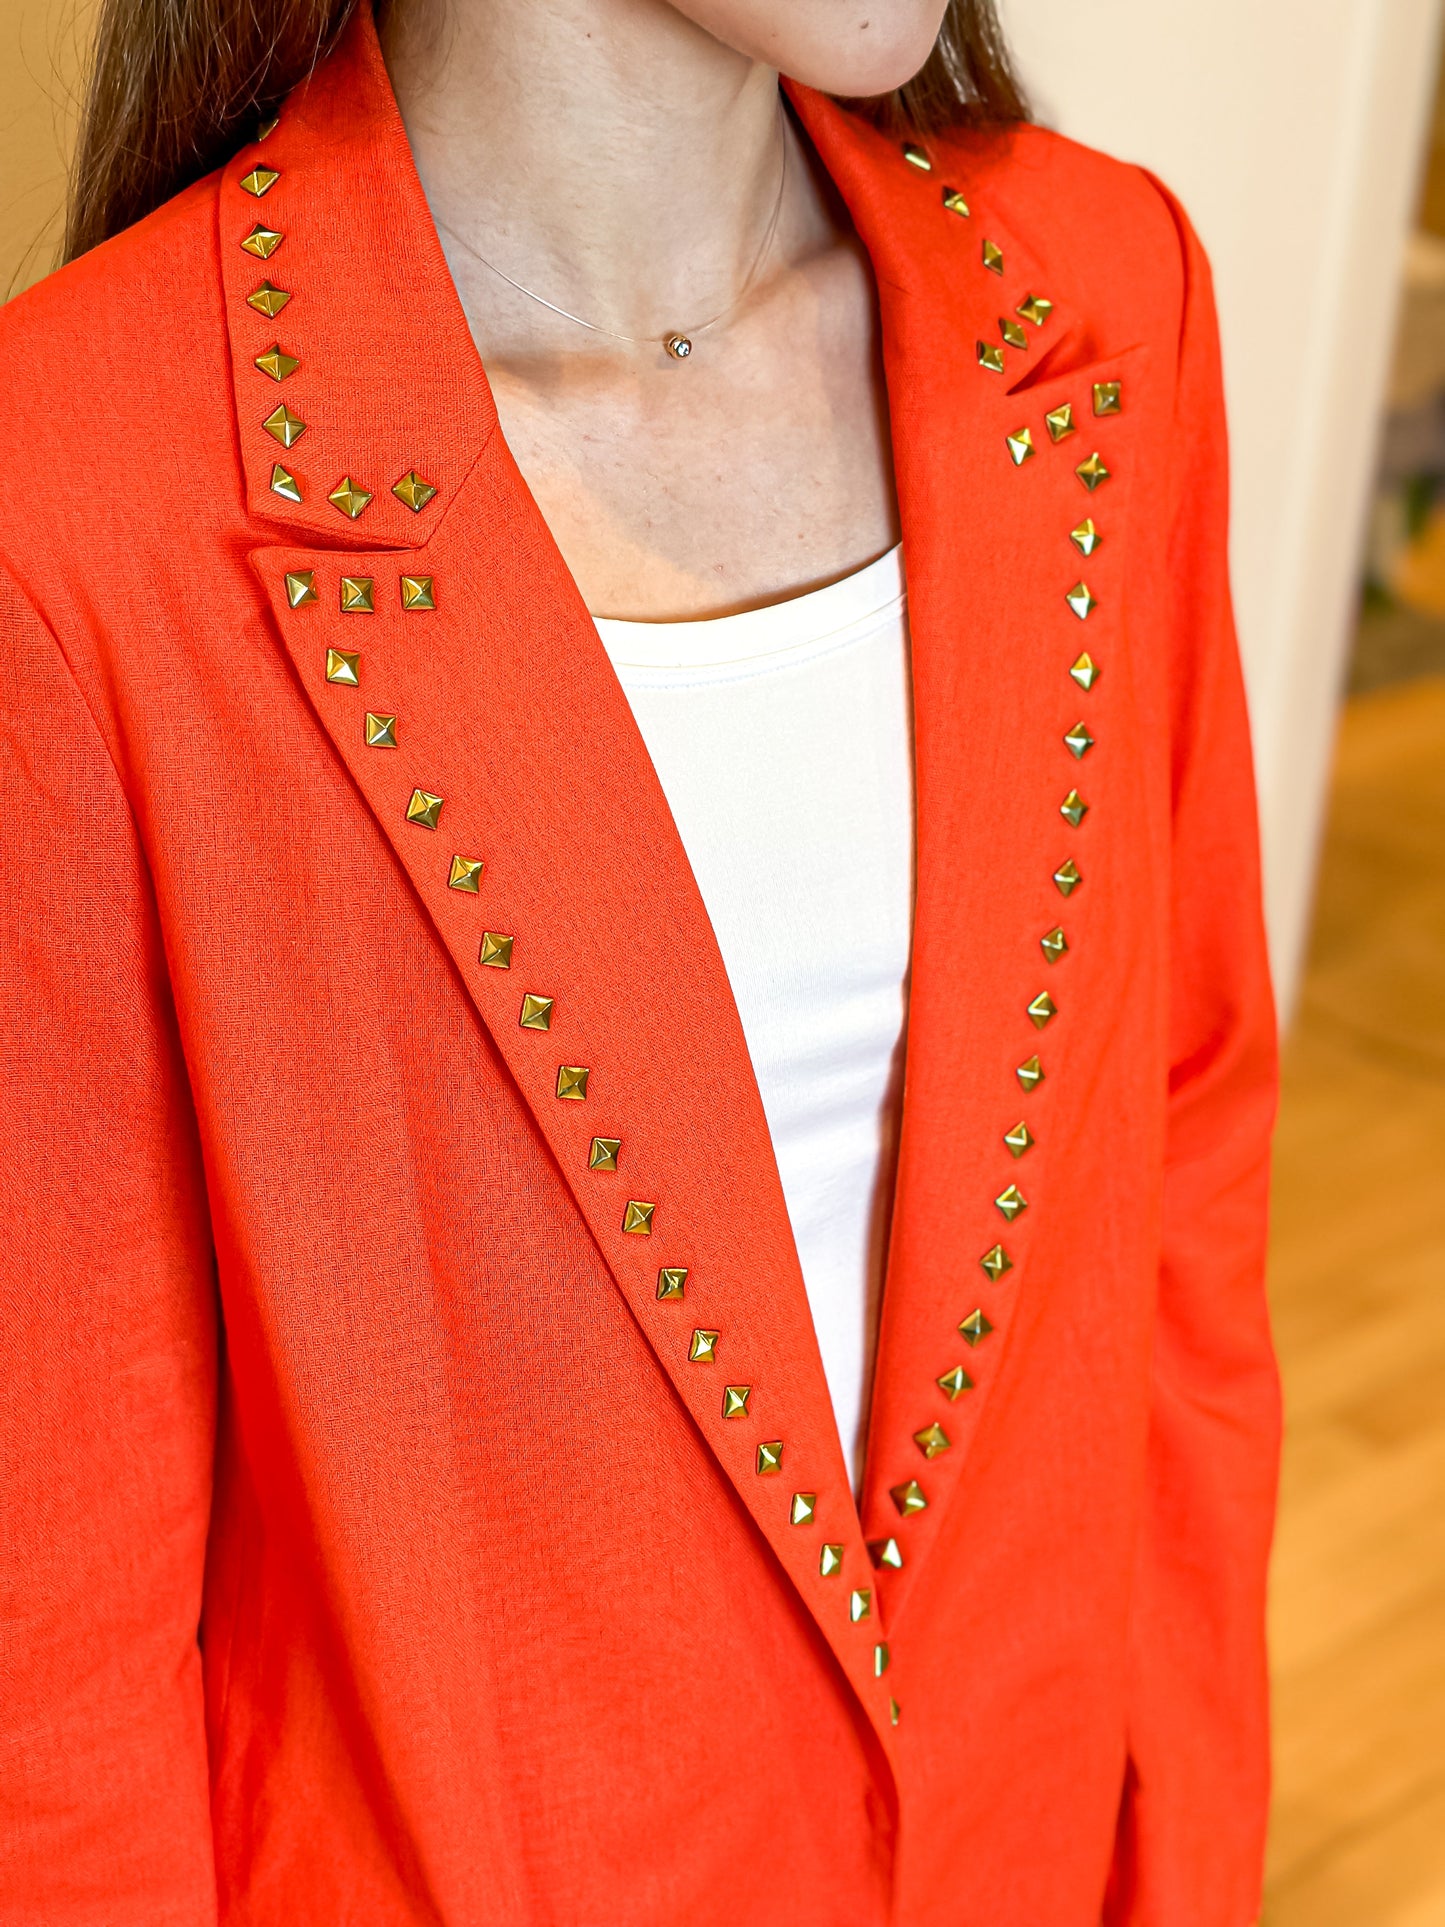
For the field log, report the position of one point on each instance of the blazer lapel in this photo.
(1013, 536)
(459, 677)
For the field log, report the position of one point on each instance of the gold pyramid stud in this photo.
(703, 1348)
(1086, 537)
(1011, 1202)
(416, 592)
(424, 809)
(259, 181)
(344, 666)
(895, 1712)
(1060, 422)
(803, 1509)
(990, 356)
(1030, 1073)
(536, 1013)
(1081, 601)
(268, 127)
(350, 497)
(1042, 1009)
(1014, 336)
(672, 1281)
(770, 1458)
(830, 1560)
(955, 202)
(1085, 671)
(1019, 1139)
(1020, 445)
(572, 1081)
(496, 950)
(992, 258)
(267, 300)
(886, 1552)
(1092, 472)
(466, 874)
(880, 1659)
(1073, 809)
(286, 427)
(276, 363)
(262, 241)
(1035, 308)
(1067, 878)
(915, 157)
(412, 490)
(380, 731)
(735, 1400)
(908, 1498)
(860, 1604)
(284, 483)
(300, 587)
(1080, 742)
(1054, 945)
(995, 1262)
(954, 1384)
(932, 1440)
(603, 1154)
(975, 1328)
(1108, 398)
(356, 595)
(637, 1218)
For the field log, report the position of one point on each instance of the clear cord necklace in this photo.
(677, 342)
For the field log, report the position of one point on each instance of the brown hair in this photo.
(175, 86)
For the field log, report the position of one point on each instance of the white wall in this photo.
(1293, 131)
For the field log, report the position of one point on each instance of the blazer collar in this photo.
(361, 403)
(520, 799)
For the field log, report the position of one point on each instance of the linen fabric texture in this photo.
(373, 1551)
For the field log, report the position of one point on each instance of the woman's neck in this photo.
(618, 161)
(609, 155)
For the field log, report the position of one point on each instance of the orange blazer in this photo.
(412, 1520)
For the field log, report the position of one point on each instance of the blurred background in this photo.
(1307, 139)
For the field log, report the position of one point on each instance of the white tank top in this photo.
(783, 741)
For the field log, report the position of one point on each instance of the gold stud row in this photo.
(358, 597)
(1059, 424)
(279, 364)
(537, 1010)
(932, 1440)
(348, 496)
(1034, 308)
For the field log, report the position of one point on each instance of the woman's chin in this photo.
(851, 48)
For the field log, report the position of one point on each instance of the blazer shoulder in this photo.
(115, 377)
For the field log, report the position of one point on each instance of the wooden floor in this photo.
(1358, 1621)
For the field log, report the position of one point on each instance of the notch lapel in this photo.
(489, 731)
(460, 679)
(512, 747)
(361, 404)
(979, 374)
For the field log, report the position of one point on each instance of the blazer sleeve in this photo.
(108, 1337)
(1191, 1835)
